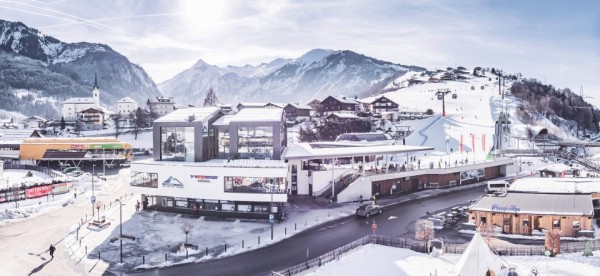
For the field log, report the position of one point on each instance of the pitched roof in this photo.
(556, 185)
(343, 116)
(537, 203)
(299, 106)
(126, 100)
(93, 110)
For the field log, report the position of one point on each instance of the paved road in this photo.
(319, 240)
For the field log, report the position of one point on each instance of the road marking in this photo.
(392, 217)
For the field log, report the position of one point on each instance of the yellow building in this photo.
(110, 150)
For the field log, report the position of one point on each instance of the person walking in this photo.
(137, 206)
(51, 249)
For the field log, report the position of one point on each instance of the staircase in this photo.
(592, 166)
(340, 184)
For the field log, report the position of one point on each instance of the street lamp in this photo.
(271, 215)
(121, 228)
(93, 172)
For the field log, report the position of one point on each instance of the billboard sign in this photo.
(39, 191)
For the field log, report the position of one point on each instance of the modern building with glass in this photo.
(213, 164)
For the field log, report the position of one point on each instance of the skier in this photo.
(51, 249)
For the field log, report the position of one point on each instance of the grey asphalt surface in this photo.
(398, 213)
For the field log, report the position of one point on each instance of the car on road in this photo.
(366, 210)
(75, 173)
(101, 176)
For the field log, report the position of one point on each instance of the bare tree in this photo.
(186, 227)
(424, 230)
(211, 98)
(552, 243)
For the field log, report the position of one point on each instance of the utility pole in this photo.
(441, 94)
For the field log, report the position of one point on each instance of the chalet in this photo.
(448, 76)
(296, 112)
(383, 104)
(338, 105)
(478, 72)
(415, 81)
(92, 119)
(342, 117)
(34, 122)
(314, 103)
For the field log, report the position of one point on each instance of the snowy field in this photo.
(374, 259)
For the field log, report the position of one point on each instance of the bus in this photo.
(494, 187)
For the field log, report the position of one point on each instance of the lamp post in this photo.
(271, 216)
(93, 172)
(121, 229)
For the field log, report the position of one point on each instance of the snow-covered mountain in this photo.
(314, 75)
(73, 65)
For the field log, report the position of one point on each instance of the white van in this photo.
(494, 187)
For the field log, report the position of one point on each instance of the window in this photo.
(255, 142)
(506, 221)
(483, 220)
(143, 179)
(556, 223)
(177, 144)
(525, 222)
(576, 225)
(266, 185)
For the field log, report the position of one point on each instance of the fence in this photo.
(421, 246)
(48, 171)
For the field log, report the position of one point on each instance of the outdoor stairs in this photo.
(340, 184)
(588, 164)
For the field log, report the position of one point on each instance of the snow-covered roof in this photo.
(258, 115)
(35, 118)
(200, 114)
(80, 101)
(93, 110)
(537, 204)
(344, 116)
(249, 104)
(299, 106)
(280, 105)
(306, 151)
(557, 168)
(161, 99)
(17, 135)
(126, 100)
(556, 185)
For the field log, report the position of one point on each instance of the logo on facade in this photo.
(203, 178)
(505, 208)
(172, 182)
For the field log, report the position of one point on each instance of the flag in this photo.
(563, 174)
(473, 142)
(483, 142)
(461, 143)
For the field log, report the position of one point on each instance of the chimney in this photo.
(191, 118)
(344, 97)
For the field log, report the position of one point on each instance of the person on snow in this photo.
(51, 249)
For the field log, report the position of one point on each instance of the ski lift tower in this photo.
(441, 95)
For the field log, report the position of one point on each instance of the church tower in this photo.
(96, 91)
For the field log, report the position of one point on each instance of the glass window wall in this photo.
(255, 142)
(143, 179)
(224, 144)
(266, 185)
(177, 144)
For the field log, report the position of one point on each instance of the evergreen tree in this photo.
(211, 98)
(63, 124)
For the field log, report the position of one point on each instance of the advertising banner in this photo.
(60, 188)
(34, 192)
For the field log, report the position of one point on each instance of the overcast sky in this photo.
(553, 41)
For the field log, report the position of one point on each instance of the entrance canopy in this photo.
(333, 150)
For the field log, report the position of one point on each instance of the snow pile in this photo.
(382, 260)
(34, 210)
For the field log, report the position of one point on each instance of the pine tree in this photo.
(63, 124)
(211, 98)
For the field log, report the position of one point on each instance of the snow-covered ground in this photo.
(374, 259)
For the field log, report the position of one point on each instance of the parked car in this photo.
(101, 176)
(366, 210)
(75, 173)
(70, 169)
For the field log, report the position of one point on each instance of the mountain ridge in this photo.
(315, 74)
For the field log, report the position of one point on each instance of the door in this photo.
(310, 190)
(506, 225)
(415, 184)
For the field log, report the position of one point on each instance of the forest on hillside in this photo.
(554, 103)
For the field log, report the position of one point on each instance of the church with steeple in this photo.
(73, 107)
